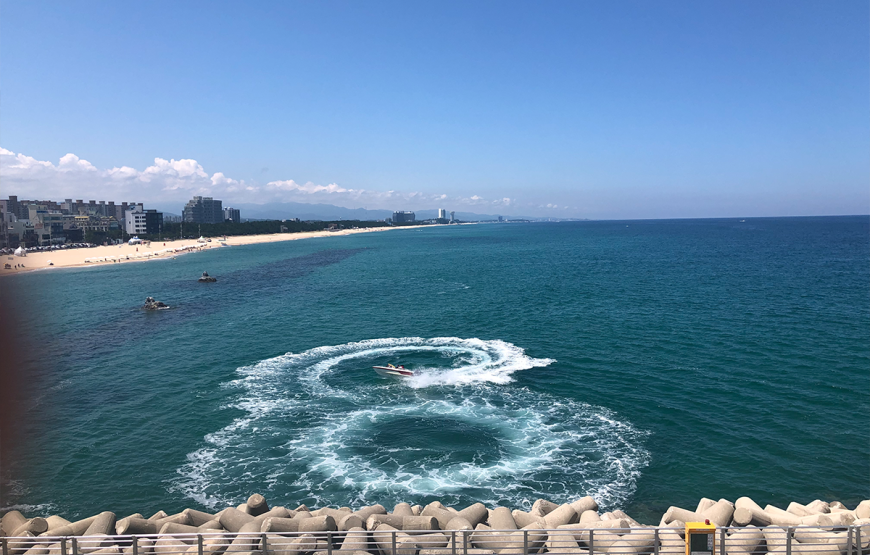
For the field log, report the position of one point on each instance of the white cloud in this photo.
(308, 188)
(175, 181)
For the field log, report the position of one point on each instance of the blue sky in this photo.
(571, 109)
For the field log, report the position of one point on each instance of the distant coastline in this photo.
(125, 253)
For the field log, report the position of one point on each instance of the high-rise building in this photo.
(203, 210)
(442, 214)
(232, 215)
(402, 217)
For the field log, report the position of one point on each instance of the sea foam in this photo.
(320, 426)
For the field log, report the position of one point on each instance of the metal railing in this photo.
(568, 539)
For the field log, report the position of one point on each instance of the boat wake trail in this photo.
(321, 427)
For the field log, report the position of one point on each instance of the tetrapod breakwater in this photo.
(254, 528)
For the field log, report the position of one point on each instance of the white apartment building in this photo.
(134, 220)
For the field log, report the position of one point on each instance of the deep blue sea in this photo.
(645, 363)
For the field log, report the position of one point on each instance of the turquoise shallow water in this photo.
(647, 363)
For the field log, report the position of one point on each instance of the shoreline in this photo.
(163, 250)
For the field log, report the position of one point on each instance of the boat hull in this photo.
(393, 372)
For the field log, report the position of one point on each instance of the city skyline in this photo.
(601, 111)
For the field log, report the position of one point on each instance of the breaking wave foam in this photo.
(320, 427)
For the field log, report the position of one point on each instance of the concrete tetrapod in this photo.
(671, 542)
(37, 549)
(459, 523)
(365, 512)
(524, 519)
(819, 506)
(356, 539)
(403, 509)
(542, 507)
(385, 536)
(434, 540)
(483, 537)
(704, 504)
(775, 537)
(55, 521)
(510, 543)
(643, 539)
(501, 519)
(175, 528)
(77, 528)
(474, 514)
(677, 513)
(841, 518)
(158, 515)
(781, 517)
(589, 516)
(424, 523)
(584, 504)
(35, 526)
(128, 526)
(563, 514)
(583, 530)
(95, 542)
(275, 524)
(179, 518)
(12, 520)
(744, 541)
(257, 505)
(144, 546)
(20, 545)
(103, 524)
(621, 515)
(213, 545)
(166, 545)
(563, 541)
(233, 519)
(350, 521)
(210, 525)
(336, 514)
(377, 519)
(756, 516)
(248, 537)
(198, 518)
(441, 514)
(719, 513)
(306, 543)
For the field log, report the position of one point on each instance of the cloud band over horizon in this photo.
(179, 180)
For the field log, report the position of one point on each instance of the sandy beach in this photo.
(124, 254)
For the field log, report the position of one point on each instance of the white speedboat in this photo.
(395, 371)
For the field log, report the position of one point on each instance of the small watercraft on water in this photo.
(151, 304)
(395, 371)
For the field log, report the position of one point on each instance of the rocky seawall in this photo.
(744, 528)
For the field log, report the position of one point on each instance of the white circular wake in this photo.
(321, 427)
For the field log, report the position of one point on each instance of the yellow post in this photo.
(700, 538)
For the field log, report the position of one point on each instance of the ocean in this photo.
(645, 363)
